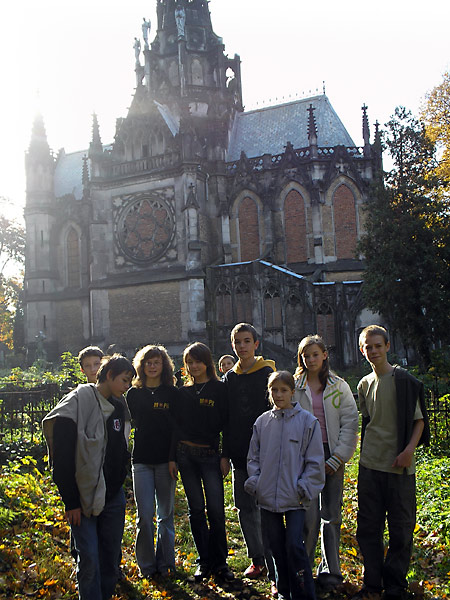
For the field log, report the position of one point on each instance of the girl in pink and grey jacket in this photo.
(329, 398)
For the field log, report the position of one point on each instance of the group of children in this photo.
(286, 440)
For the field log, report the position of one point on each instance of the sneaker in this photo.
(225, 574)
(202, 572)
(255, 571)
(273, 589)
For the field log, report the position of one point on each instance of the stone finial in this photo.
(312, 127)
(365, 126)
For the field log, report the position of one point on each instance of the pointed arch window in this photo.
(249, 229)
(345, 222)
(272, 308)
(295, 228)
(224, 310)
(294, 318)
(243, 303)
(325, 323)
(73, 258)
(197, 72)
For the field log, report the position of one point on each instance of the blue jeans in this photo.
(202, 479)
(324, 515)
(150, 482)
(293, 572)
(250, 523)
(97, 542)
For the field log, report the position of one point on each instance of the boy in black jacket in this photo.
(247, 399)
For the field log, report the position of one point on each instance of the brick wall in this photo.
(145, 314)
(295, 227)
(344, 222)
(249, 229)
(69, 326)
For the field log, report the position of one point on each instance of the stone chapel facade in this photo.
(199, 214)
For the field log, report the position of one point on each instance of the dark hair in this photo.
(219, 362)
(149, 352)
(373, 330)
(89, 351)
(116, 364)
(202, 353)
(244, 327)
(309, 340)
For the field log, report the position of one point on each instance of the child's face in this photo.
(281, 394)
(244, 345)
(226, 365)
(196, 368)
(153, 367)
(313, 357)
(375, 350)
(90, 366)
(120, 384)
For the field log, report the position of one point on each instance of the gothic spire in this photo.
(312, 131)
(95, 147)
(39, 147)
(365, 127)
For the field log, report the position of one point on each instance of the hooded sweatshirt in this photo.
(247, 400)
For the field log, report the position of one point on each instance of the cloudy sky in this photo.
(68, 59)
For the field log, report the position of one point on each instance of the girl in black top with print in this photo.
(149, 401)
(200, 415)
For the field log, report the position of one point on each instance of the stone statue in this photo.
(146, 26)
(137, 48)
(180, 18)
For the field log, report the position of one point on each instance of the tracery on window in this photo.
(272, 307)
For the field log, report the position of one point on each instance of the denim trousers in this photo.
(294, 578)
(97, 542)
(203, 484)
(250, 522)
(383, 494)
(324, 515)
(153, 483)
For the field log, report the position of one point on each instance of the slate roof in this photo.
(68, 174)
(267, 130)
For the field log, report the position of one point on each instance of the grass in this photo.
(35, 561)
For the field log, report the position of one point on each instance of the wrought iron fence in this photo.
(22, 410)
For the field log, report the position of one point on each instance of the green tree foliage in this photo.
(407, 240)
(436, 115)
(12, 250)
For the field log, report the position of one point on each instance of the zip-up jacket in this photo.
(285, 460)
(341, 416)
(247, 400)
(89, 411)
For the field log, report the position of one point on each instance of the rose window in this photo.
(146, 229)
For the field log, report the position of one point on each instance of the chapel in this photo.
(199, 214)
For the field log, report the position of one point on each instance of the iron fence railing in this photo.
(22, 410)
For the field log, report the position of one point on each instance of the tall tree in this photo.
(436, 115)
(12, 250)
(407, 240)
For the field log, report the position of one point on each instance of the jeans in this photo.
(97, 542)
(202, 479)
(324, 515)
(250, 521)
(381, 493)
(293, 572)
(150, 482)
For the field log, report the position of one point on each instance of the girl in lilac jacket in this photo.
(285, 464)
